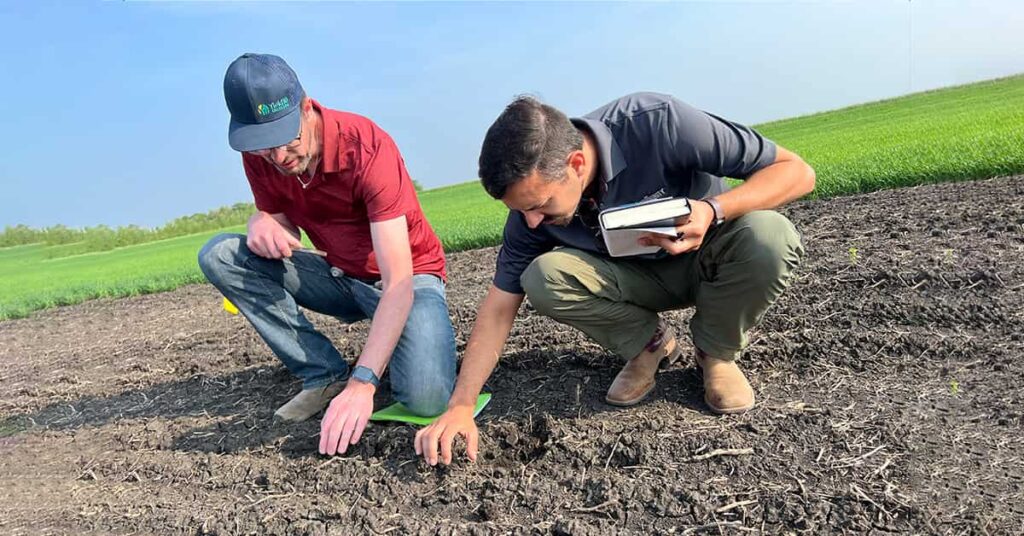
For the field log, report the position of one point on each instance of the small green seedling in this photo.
(853, 255)
(954, 387)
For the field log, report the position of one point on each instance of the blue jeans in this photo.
(269, 292)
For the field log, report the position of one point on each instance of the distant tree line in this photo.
(103, 237)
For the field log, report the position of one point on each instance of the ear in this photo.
(306, 105)
(577, 161)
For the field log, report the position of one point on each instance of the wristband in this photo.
(717, 210)
(365, 375)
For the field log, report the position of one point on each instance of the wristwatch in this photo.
(717, 209)
(365, 375)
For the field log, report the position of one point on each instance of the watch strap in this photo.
(717, 209)
(365, 375)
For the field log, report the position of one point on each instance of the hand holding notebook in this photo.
(624, 225)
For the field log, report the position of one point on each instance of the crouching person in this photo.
(731, 258)
(340, 178)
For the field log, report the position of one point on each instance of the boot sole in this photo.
(728, 411)
(286, 420)
(630, 402)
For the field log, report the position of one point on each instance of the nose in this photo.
(278, 155)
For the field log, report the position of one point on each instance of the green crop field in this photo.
(464, 216)
(959, 133)
(33, 282)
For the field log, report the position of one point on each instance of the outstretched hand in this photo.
(346, 418)
(457, 421)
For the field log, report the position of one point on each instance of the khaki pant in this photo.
(740, 270)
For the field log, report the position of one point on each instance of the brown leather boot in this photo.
(636, 380)
(726, 389)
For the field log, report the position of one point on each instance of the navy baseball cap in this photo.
(263, 95)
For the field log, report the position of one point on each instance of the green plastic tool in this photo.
(398, 412)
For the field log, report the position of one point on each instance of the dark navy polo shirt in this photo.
(648, 146)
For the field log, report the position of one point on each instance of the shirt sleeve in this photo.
(384, 181)
(265, 200)
(706, 142)
(520, 245)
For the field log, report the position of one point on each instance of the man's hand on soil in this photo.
(690, 229)
(457, 420)
(268, 238)
(346, 418)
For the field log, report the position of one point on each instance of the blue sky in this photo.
(113, 111)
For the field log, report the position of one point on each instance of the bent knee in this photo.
(770, 244)
(544, 277)
(770, 233)
(427, 402)
(219, 252)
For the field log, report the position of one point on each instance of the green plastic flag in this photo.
(398, 412)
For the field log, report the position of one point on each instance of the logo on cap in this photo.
(273, 107)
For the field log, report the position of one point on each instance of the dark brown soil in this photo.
(889, 381)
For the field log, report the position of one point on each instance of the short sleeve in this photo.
(384, 181)
(706, 142)
(264, 198)
(520, 245)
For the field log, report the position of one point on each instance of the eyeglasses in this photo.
(294, 144)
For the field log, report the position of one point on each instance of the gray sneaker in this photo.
(308, 402)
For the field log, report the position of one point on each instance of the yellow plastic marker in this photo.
(230, 307)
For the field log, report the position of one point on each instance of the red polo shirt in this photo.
(361, 179)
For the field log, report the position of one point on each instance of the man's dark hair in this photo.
(527, 136)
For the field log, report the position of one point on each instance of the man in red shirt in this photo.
(340, 178)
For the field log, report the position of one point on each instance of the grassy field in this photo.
(33, 282)
(953, 134)
(464, 216)
(959, 133)
(36, 277)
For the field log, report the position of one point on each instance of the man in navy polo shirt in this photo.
(731, 259)
(340, 178)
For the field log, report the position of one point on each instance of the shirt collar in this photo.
(608, 151)
(329, 157)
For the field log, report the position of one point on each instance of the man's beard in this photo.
(562, 221)
(302, 168)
